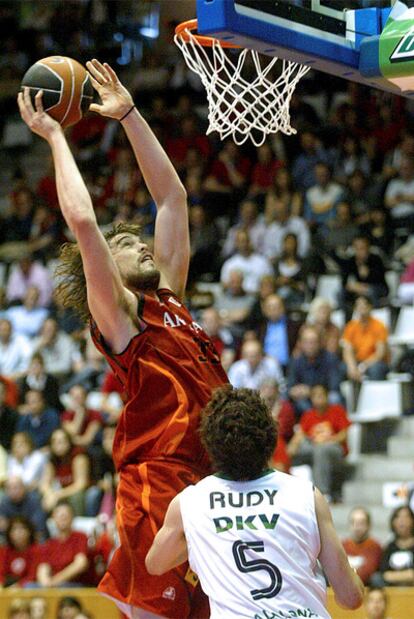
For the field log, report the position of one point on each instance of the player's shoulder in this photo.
(203, 485)
(291, 483)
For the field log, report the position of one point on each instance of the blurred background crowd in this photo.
(302, 259)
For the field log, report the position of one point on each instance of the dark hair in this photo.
(238, 432)
(71, 289)
(37, 356)
(54, 459)
(395, 515)
(290, 235)
(26, 523)
(70, 601)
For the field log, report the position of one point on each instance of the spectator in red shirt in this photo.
(11, 394)
(100, 553)
(264, 170)
(229, 171)
(189, 137)
(66, 475)
(321, 441)
(111, 384)
(18, 558)
(8, 417)
(80, 422)
(364, 552)
(62, 559)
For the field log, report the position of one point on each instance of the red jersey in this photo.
(60, 553)
(64, 466)
(280, 458)
(18, 566)
(91, 416)
(332, 421)
(364, 556)
(168, 371)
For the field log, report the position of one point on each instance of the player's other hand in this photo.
(35, 117)
(115, 98)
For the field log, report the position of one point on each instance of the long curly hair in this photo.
(238, 432)
(71, 286)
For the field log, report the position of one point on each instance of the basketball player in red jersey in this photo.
(163, 358)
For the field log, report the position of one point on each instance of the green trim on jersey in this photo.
(263, 474)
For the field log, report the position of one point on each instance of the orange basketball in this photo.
(67, 89)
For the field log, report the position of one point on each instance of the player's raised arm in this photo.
(108, 299)
(169, 547)
(347, 585)
(172, 245)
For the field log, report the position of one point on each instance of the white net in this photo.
(248, 97)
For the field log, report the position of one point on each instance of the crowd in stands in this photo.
(69, 607)
(266, 223)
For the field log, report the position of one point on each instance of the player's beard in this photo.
(146, 280)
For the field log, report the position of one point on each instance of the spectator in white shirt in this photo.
(25, 273)
(252, 265)
(284, 224)
(321, 198)
(399, 195)
(15, 351)
(27, 318)
(59, 351)
(254, 367)
(25, 461)
(232, 302)
(248, 220)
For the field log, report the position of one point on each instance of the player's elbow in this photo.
(153, 565)
(356, 601)
(352, 600)
(81, 221)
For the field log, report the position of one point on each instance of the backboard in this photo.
(367, 41)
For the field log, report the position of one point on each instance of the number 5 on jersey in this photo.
(253, 565)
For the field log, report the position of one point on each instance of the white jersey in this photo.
(254, 546)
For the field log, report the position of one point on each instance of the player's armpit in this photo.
(169, 548)
(348, 587)
(110, 303)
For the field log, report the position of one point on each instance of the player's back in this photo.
(169, 371)
(254, 546)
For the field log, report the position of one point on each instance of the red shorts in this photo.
(143, 495)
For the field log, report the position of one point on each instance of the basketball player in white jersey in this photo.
(253, 535)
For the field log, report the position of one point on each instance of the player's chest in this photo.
(176, 333)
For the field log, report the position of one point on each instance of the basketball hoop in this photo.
(245, 99)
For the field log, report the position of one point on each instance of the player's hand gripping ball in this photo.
(66, 85)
